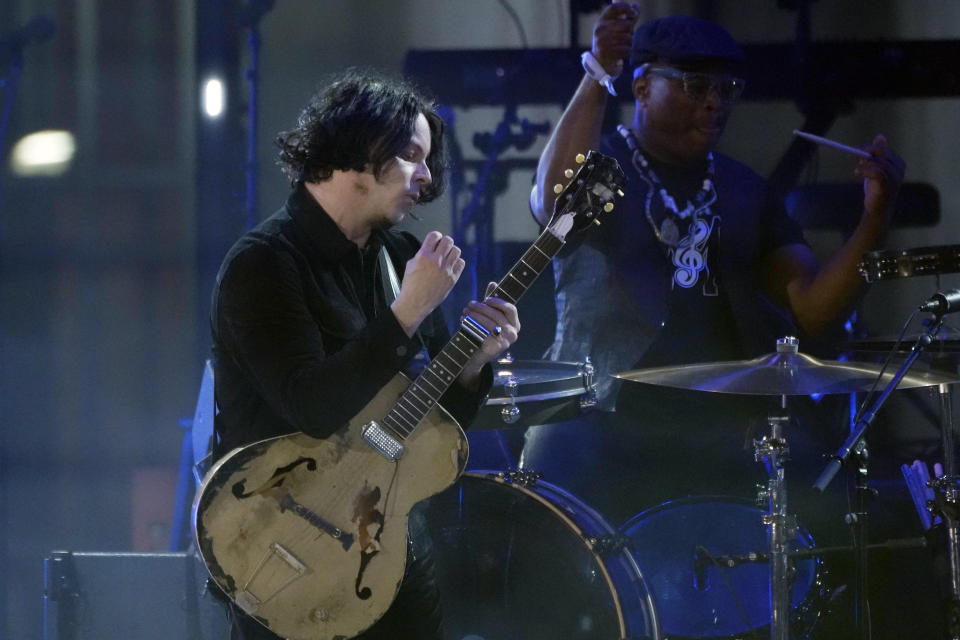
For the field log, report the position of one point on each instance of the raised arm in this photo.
(819, 294)
(578, 128)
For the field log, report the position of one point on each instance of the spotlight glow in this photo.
(43, 153)
(213, 97)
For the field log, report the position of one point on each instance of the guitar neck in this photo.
(424, 392)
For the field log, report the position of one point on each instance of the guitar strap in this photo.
(391, 287)
(390, 281)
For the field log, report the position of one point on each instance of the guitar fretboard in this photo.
(424, 392)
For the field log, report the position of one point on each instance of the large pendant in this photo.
(669, 233)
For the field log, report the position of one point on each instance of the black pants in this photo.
(415, 613)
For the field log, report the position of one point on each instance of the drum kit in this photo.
(696, 567)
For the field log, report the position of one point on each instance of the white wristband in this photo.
(596, 71)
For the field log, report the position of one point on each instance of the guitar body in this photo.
(309, 536)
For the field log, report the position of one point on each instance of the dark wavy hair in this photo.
(360, 119)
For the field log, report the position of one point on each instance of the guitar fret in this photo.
(512, 299)
(466, 342)
(552, 242)
(398, 429)
(423, 406)
(450, 355)
(438, 389)
(536, 259)
(523, 260)
(416, 391)
(412, 416)
(513, 289)
(467, 355)
(524, 276)
(402, 420)
(540, 251)
(447, 371)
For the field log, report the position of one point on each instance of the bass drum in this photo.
(728, 602)
(521, 559)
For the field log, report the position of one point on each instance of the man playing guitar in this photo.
(307, 327)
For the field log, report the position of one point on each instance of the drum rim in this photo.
(572, 382)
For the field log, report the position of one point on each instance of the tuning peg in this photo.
(620, 192)
(568, 173)
(608, 207)
(580, 158)
(596, 221)
(557, 188)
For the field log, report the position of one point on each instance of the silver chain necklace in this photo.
(668, 232)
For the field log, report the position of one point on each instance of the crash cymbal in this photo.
(781, 374)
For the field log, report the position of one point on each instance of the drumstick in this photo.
(830, 143)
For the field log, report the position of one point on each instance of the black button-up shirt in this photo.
(303, 336)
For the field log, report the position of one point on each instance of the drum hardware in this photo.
(520, 477)
(609, 544)
(907, 263)
(534, 392)
(703, 558)
(589, 398)
(855, 448)
(783, 373)
(701, 599)
(946, 504)
(509, 413)
(772, 450)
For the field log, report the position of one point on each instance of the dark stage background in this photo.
(106, 268)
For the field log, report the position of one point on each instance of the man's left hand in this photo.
(500, 318)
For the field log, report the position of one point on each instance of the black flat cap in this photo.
(683, 39)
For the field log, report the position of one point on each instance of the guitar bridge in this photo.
(276, 570)
(382, 441)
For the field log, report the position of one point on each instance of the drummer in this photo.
(697, 264)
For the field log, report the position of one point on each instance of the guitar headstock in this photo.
(589, 194)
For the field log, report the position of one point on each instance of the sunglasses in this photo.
(697, 85)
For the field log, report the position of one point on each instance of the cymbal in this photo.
(781, 374)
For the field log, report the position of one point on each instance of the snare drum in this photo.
(531, 392)
(521, 558)
(728, 602)
(907, 263)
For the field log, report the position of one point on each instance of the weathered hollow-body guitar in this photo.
(309, 536)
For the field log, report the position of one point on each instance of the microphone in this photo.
(700, 562)
(39, 28)
(943, 302)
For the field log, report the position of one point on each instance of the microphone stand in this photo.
(478, 212)
(855, 444)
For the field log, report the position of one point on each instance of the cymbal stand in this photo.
(947, 504)
(855, 444)
(858, 521)
(773, 450)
